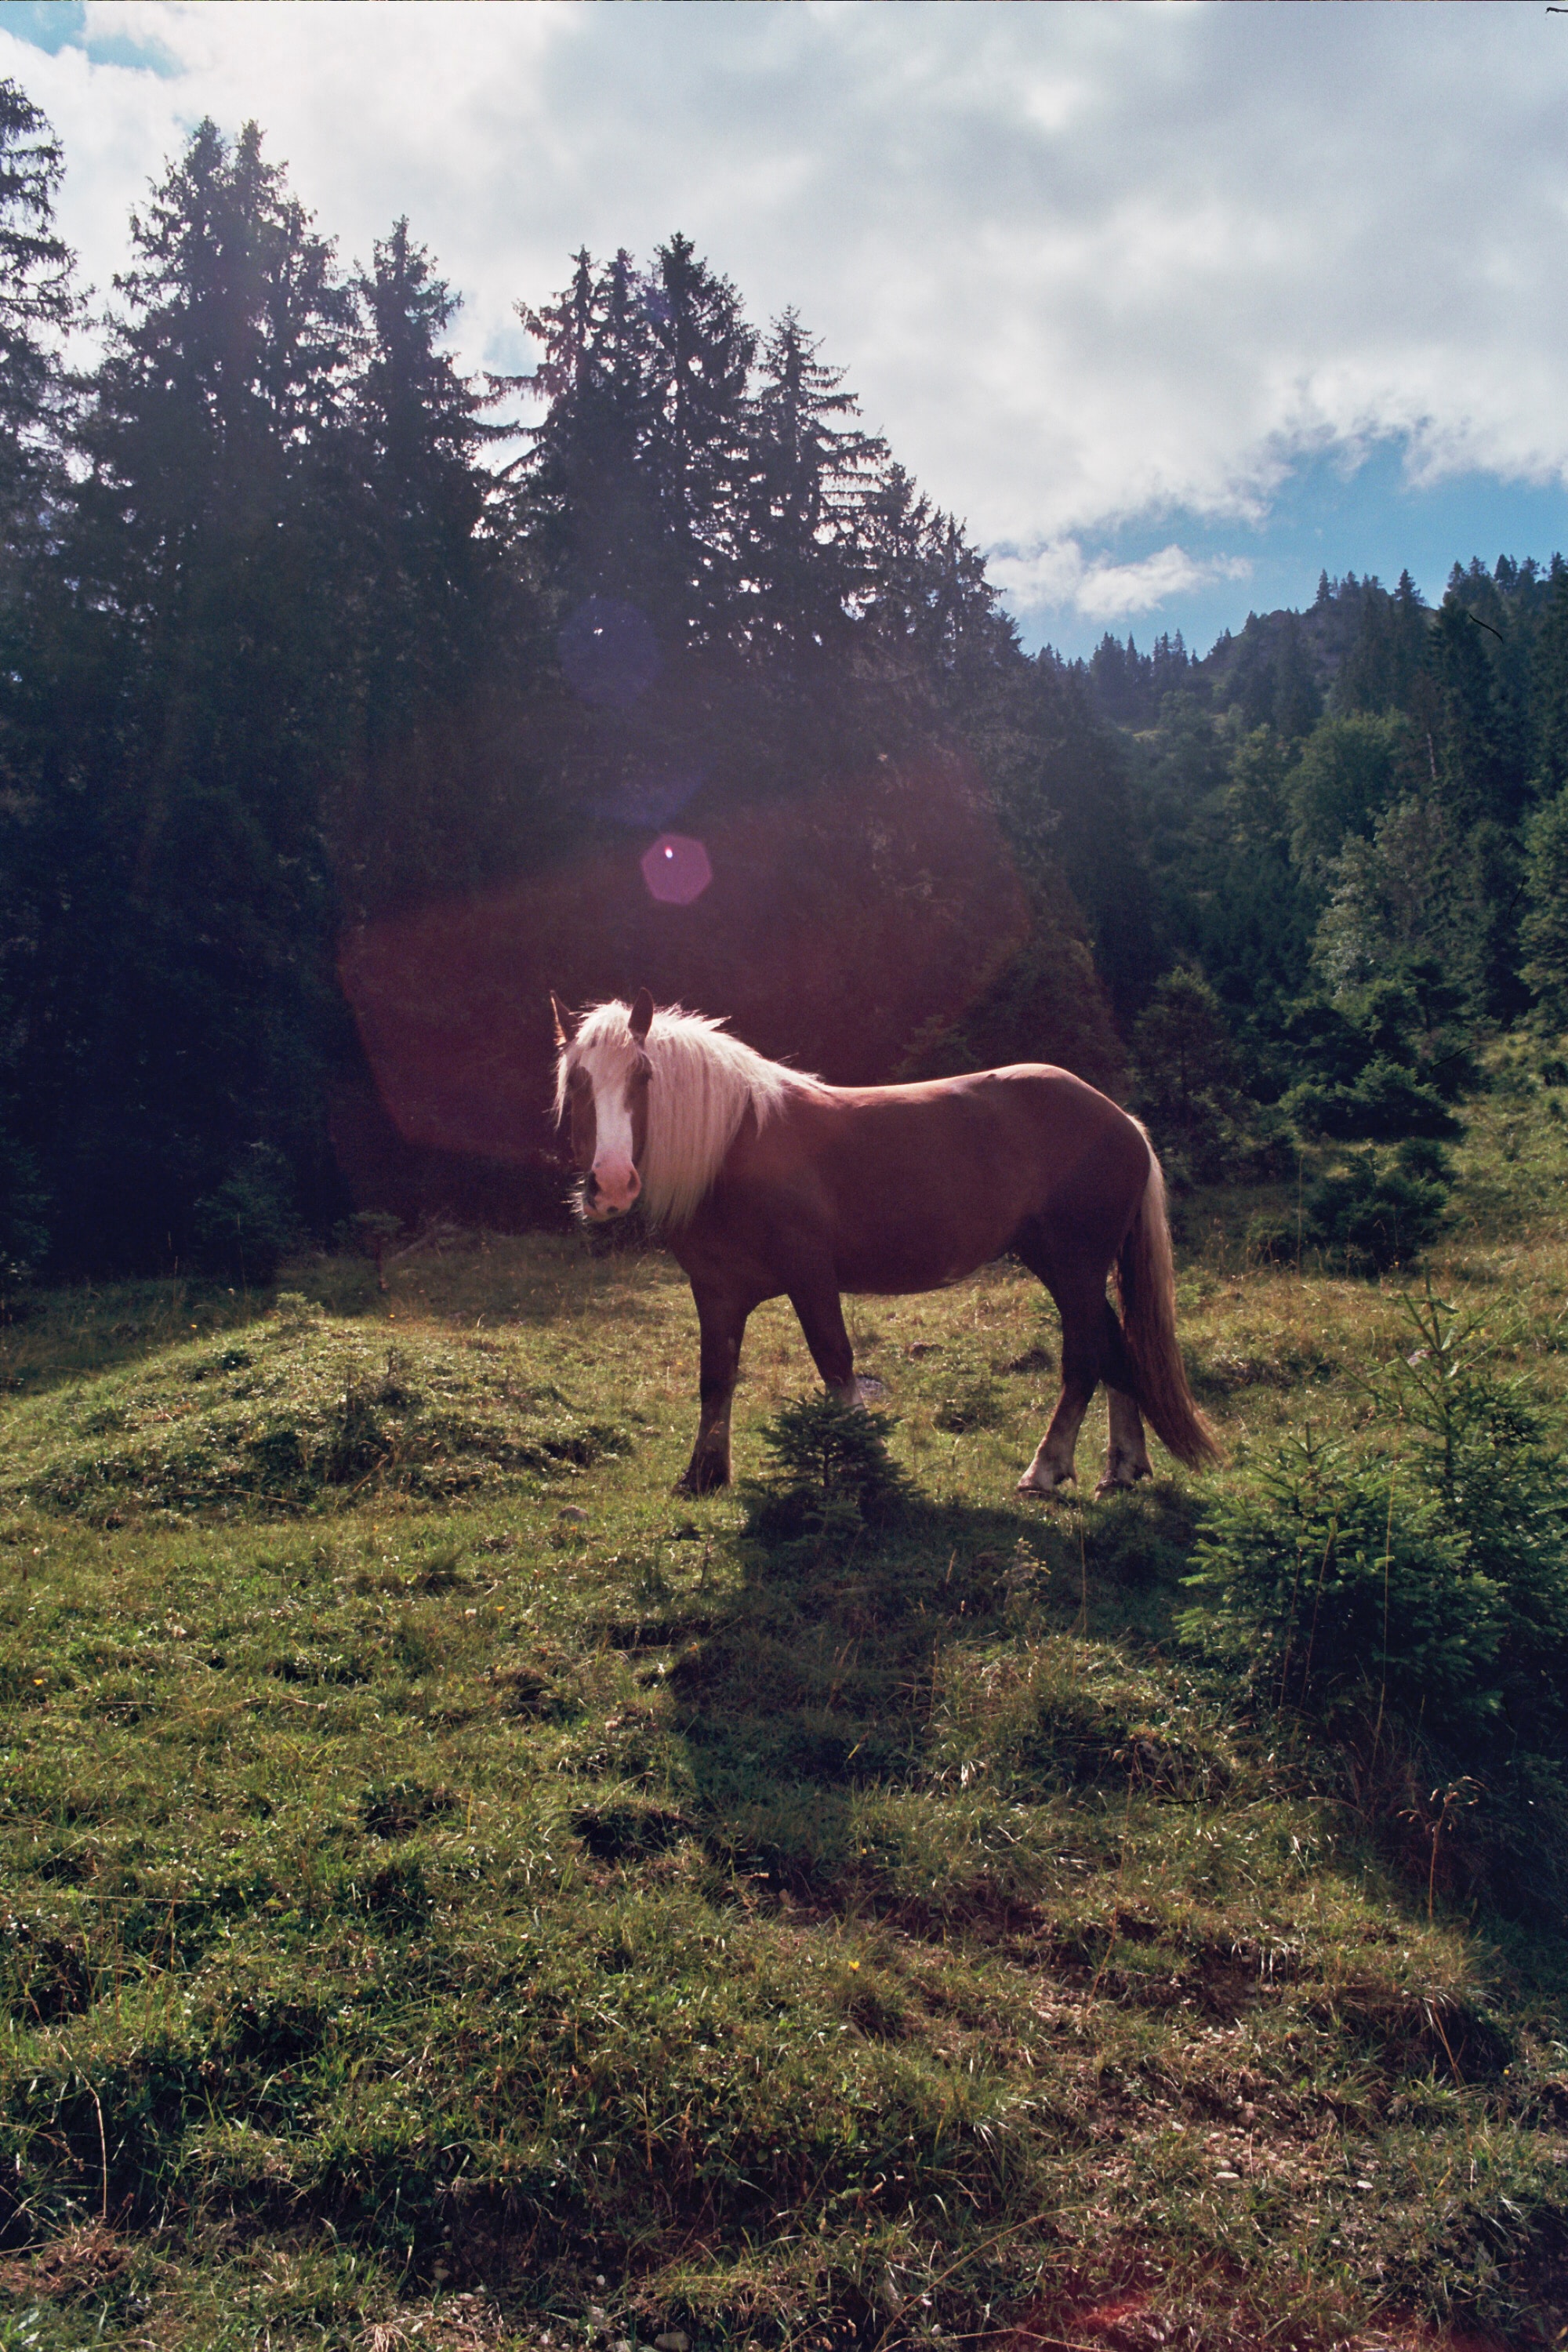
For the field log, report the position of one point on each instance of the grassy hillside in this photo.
(456, 1892)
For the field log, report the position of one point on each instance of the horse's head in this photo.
(601, 1095)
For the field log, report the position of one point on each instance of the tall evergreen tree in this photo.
(208, 553)
(1385, 655)
(438, 620)
(930, 607)
(700, 453)
(1549, 698)
(38, 302)
(421, 429)
(586, 501)
(811, 472)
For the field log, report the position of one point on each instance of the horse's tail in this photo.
(1146, 1282)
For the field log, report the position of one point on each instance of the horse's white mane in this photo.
(703, 1083)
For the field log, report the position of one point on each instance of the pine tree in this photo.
(931, 611)
(585, 499)
(421, 428)
(699, 453)
(1475, 773)
(36, 303)
(437, 618)
(811, 472)
(1544, 930)
(1549, 698)
(208, 547)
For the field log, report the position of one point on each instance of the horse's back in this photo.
(907, 1187)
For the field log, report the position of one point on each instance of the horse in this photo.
(765, 1182)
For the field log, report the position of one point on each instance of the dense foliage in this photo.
(1411, 1596)
(345, 700)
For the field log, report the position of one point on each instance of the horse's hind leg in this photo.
(1126, 1455)
(821, 1313)
(722, 1320)
(1092, 1350)
(1053, 1464)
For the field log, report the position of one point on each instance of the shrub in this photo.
(1186, 1082)
(1418, 1583)
(1369, 1218)
(831, 1474)
(24, 1211)
(1332, 1584)
(1384, 1101)
(247, 1227)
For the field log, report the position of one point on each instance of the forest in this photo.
(348, 703)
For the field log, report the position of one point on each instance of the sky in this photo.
(1172, 305)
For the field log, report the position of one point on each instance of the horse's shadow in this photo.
(808, 1671)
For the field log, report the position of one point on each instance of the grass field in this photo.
(456, 1892)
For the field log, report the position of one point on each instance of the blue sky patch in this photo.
(55, 25)
(1322, 517)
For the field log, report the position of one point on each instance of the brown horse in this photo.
(768, 1183)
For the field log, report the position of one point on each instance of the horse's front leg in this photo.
(722, 1321)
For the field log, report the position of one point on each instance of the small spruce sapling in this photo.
(831, 1475)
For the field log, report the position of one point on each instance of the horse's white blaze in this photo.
(615, 1180)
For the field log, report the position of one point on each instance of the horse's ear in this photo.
(642, 1016)
(563, 1034)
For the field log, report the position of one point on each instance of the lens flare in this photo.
(677, 869)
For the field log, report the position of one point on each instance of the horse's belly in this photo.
(910, 1254)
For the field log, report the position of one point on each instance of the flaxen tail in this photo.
(1146, 1282)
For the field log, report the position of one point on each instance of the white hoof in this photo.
(1045, 1482)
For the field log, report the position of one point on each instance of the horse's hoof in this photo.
(700, 1482)
(1029, 1485)
(1122, 1482)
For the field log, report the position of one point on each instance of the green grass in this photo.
(458, 1891)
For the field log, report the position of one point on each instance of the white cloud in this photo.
(1060, 577)
(1082, 264)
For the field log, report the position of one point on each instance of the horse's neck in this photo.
(710, 1086)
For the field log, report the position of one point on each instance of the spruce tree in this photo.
(209, 554)
(585, 499)
(1550, 697)
(38, 302)
(1544, 930)
(811, 473)
(437, 621)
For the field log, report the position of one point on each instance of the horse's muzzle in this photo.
(600, 1203)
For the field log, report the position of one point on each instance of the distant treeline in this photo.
(1367, 793)
(342, 713)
